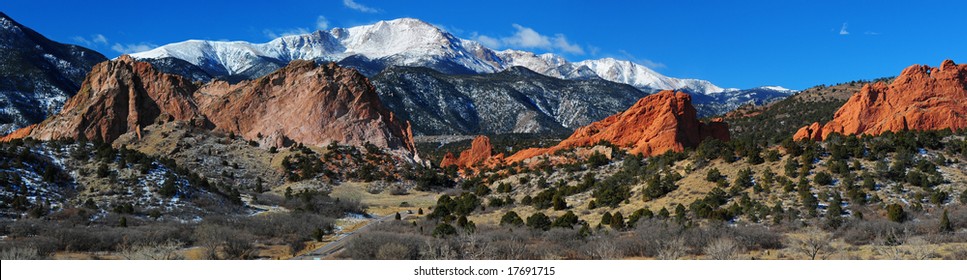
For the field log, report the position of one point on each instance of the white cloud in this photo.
(528, 38)
(270, 34)
(356, 6)
(100, 39)
(561, 43)
(487, 41)
(273, 34)
(322, 23)
(842, 30)
(132, 48)
(646, 62)
(96, 39)
(295, 31)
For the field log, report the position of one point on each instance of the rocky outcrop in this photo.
(812, 131)
(118, 97)
(307, 103)
(658, 123)
(18, 134)
(303, 102)
(921, 98)
(480, 152)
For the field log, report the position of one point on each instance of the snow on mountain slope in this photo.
(644, 78)
(406, 42)
(37, 75)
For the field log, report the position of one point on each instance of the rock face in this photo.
(480, 151)
(302, 102)
(658, 123)
(921, 98)
(117, 97)
(307, 103)
(812, 131)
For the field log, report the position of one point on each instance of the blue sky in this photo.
(796, 44)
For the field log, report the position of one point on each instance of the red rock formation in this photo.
(449, 160)
(480, 152)
(302, 102)
(813, 131)
(307, 103)
(921, 98)
(19, 133)
(117, 97)
(658, 123)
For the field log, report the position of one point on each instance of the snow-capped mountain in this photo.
(405, 42)
(37, 75)
(369, 48)
(722, 102)
(642, 77)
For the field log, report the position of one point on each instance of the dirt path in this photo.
(340, 243)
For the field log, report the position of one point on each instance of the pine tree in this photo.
(945, 223)
(102, 170)
(895, 213)
(419, 211)
(663, 213)
(833, 213)
(606, 218)
(259, 188)
(539, 221)
(680, 215)
(713, 175)
(559, 203)
(398, 216)
(617, 221)
(443, 229)
(511, 218)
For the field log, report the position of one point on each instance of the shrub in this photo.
(394, 251)
(539, 221)
(443, 229)
(945, 223)
(568, 220)
(723, 248)
(597, 160)
(618, 221)
(713, 175)
(894, 212)
(823, 179)
(511, 218)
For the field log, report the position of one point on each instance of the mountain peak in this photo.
(408, 42)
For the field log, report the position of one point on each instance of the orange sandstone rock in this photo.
(658, 123)
(117, 97)
(921, 98)
(307, 103)
(480, 152)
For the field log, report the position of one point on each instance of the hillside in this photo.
(37, 74)
(774, 122)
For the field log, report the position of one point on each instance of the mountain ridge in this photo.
(406, 42)
(38, 74)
